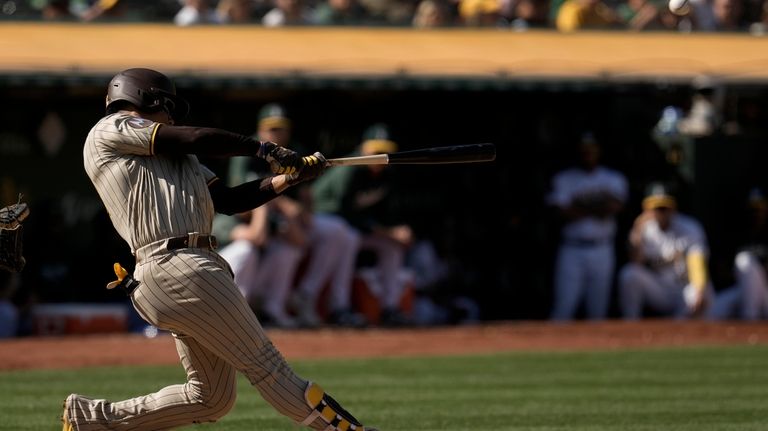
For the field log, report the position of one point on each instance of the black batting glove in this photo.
(281, 160)
(314, 166)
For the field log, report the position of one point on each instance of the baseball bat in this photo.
(485, 152)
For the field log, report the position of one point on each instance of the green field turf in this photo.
(695, 389)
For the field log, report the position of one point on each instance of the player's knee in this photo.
(744, 261)
(216, 400)
(629, 273)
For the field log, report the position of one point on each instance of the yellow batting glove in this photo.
(120, 273)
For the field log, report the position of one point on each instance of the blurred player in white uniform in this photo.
(668, 257)
(588, 198)
(748, 297)
(326, 241)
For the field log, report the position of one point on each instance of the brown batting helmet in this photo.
(148, 90)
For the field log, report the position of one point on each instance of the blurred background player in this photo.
(331, 244)
(264, 247)
(363, 196)
(314, 249)
(587, 197)
(668, 256)
(747, 298)
(263, 262)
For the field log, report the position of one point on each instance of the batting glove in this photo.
(313, 167)
(281, 160)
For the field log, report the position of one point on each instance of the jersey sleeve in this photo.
(697, 238)
(620, 187)
(126, 134)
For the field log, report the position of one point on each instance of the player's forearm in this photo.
(204, 141)
(697, 270)
(244, 197)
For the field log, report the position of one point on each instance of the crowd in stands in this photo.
(563, 15)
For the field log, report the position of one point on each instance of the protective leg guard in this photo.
(323, 406)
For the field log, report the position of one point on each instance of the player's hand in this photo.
(694, 300)
(281, 160)
(312, 167)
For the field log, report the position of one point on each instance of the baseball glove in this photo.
(11, 230)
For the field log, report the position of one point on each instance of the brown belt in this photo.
(201, 241)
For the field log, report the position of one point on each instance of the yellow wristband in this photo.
(697, 269)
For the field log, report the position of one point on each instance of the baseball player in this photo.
(161, 201)
(363, 196)
(331, 244)
(667, 268)
(747, 298)
(587, 197)
(254, 247)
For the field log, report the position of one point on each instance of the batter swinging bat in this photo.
(425, 156)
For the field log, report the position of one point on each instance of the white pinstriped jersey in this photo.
(189, 291)
(116, 157)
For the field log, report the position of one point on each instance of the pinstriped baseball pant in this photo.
(191, 293)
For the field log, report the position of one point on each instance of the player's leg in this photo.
(341, 279)
(216, 316)
(325, 247)
(640, 287)
(332, 258)
(390, 259)
(208, 395)
(243, 258)
(600, 263)
(275, 280)
(727, 303)
(568, 282)
(751, 277)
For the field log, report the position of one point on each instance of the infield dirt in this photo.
(134, 349)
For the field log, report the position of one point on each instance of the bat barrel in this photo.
(440, 155)
(426, 156)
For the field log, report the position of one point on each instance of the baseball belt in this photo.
(127, 283)
(193, 241)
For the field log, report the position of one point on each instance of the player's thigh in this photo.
(194, 294)
(329, 227)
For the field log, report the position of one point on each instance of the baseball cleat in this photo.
(329, 410)
(66, 426)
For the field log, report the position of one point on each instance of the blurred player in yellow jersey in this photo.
(667, 273)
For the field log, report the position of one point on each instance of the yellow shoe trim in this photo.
(314, 394)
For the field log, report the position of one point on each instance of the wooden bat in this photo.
(485, 152)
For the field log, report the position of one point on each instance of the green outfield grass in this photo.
(693, 389)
